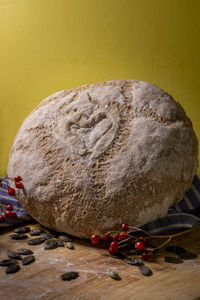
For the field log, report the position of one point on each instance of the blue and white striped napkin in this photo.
(184, 215)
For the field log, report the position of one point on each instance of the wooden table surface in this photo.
(41, 279)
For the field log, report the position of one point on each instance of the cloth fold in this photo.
(185, 214)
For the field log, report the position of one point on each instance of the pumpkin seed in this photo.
(8, 262)
(12, 269)
(28, 260)
(24, 251)
(133, 261)
(25, 229)
(173, 259)
(60, 243)
(35, 232)
(69, 276)
(113, 274)
(19, 236)
(12, 254)
(144, 270)
(65, 238)
(36, 241)
(69, 245)
(50, 244)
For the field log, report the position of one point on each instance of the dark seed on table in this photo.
(36, 241)
(113, 274)
(28, 260)
(12, 269)
(50, 244)
(118, 255)
(65, 238)
(188, 255)
(46, 236)
(35, 232)
(176, 250)
(25, 229)
(144, 270)
(69, 276)
(12, 254)
(60, 243)
(8, 262)
(19, 236)
(133, 261)
(173, 259)
(69, 245)
(24, 251)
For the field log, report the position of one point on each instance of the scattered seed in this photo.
(24, 251)
(176, 250)
(46, 236)
(25, 229)
(28, 260)
(173, 259)
(8, 262)
(50, 244)
(113, 274)
(35, 232)
(69, 276)
(69, 245)
(65, 238)
(60, 243)
(12, 254)
(144, 270)
(118, 255)
(36, 241)
(19, 236)
(133, 261)
(135, 251)
(12, 269)
(188, 255)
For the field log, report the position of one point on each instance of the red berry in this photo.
(8, 214)
(114, 245)
(123, 235)
(19, 185)
(2, 219)
(17, 178)
(11, 191)
(115, 237)
(13, 215)
(106, 237)
(9, 207)
(139, 246)
(145, 255)
(125, 227)
(95, 239)
(112, 250)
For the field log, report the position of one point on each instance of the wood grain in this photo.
(41, 280)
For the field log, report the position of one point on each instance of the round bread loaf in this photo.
(99, 155)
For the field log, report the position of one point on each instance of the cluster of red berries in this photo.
(116, 239)
(9, 213)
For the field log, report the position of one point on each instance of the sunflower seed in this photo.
(8, 262)
(113, 274)
(65, 238)
(133, 261)
(12, 254)
(50, 244)
(69, 245)
(35, 232)
(60, 243)
(25, 229)
(69, 276)
(28, 260)
(12, 269)
(144, 270)
(46, 236)
(135, 251)
(36, 241)
(19, 236)
(188, 255)
(24, 251)
(176, 250)
(173, 259)
(118, 255)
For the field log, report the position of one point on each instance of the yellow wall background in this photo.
(50, 45)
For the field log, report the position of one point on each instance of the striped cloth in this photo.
(184, 215)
